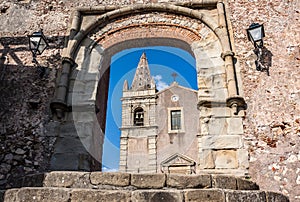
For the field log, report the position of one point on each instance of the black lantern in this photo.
(37, 43)
(255, 34)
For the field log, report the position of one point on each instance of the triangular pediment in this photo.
(178, 160)
(176, 85)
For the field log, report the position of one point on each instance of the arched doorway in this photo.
(98, 34)
(163, 62)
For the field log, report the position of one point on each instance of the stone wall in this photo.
(97, 186)
(272, 123)
(272, 120)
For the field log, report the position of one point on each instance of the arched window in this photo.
(138, 117)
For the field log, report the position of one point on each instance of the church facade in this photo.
(159, 129)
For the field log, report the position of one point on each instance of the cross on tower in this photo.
(174, 75)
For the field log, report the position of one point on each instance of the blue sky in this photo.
(163, 61)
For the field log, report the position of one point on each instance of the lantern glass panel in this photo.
(34, 43)
(42, 46)
(256, 33)
(37, 43)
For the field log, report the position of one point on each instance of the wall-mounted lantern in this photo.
(256, 33)
(37, 45)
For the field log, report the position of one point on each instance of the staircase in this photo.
(65, 186)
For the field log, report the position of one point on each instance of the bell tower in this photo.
(139, 129)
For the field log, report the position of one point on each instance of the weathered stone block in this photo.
(207, 160)
(114, 179)
(207, 63)
(220, 93)
(67, 129)
(87, 116)
(205, 94)
(222, 142)
(152, 162)
(83, 195)
(251, 196)
(37, 194)
(67, 179)
(69, 144)
(52, 129)
(213, 126)
(235, 126)
(219, 81)
(203, 195)
(243, 184)
(276, 197)
(204, 82)
(152, 141)
(224, 182)
(64, 161)
(10, 195)
(76, 86)
(33, 180)
(189, 181)
(225, 159)
(217, 126)
(156, 196)
(148, 180)
(217, 112)
(243, 158)
(219, 67)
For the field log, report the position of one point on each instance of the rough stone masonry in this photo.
(272, 124)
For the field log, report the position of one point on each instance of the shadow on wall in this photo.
(14, 62)
(24, 103)
(264, 62)
(14, 45)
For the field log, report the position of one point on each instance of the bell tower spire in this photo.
(142, 79)
(139, 122)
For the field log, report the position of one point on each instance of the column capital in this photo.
(227, 53)
(68, 60)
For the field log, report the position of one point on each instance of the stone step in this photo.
(131, 181)
(58, 194)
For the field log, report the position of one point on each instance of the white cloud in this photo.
(106, 169)
(160, 85)
(157, 77)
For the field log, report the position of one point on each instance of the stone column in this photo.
(234, 99)
(59, 104)
(152, 154)
(123, 154)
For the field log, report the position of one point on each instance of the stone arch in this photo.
(220, 32)
(81, 87)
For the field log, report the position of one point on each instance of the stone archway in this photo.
(201, 29)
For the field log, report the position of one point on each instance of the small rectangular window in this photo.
(175, 119)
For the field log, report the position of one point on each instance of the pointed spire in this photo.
(142, 78)
(125, 85)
